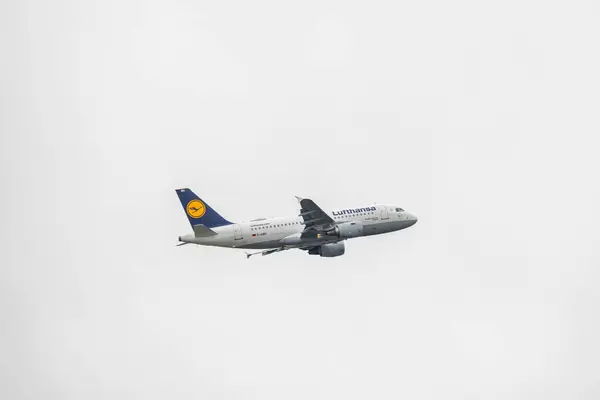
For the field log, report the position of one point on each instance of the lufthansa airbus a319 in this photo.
(312, 229)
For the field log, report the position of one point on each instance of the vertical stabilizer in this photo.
(198, 212)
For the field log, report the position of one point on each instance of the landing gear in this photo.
(266, 252)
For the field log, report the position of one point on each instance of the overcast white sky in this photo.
(481, 118)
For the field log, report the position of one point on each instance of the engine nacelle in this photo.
(347, 230)
(332, 249)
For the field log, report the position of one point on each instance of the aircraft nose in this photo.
(412, 218)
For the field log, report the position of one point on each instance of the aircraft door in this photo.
(237, 232)
(384, 213)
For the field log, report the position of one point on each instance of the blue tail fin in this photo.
(198, 212)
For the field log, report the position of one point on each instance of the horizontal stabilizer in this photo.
(202, 231)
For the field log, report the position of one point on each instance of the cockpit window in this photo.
(398, 209)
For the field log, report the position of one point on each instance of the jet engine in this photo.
(347, 230)
(332, 249)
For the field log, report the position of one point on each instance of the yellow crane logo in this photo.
(196, 208)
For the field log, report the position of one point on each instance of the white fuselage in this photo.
(268, 233)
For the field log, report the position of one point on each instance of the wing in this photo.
(315, 219)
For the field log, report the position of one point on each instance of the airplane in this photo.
(312, 230)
